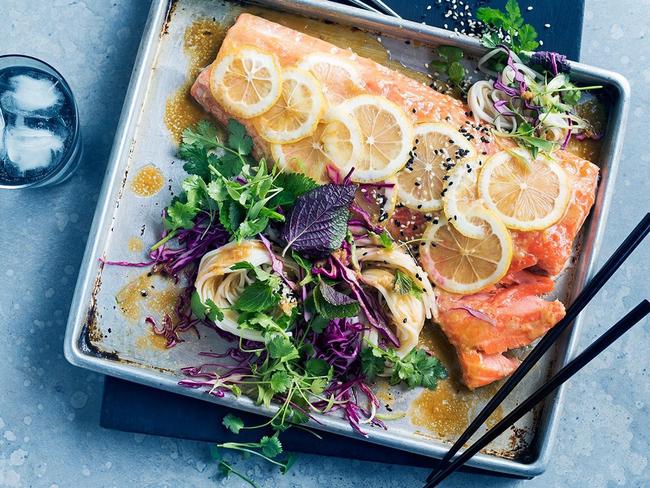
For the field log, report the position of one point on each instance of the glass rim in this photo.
(71, 150)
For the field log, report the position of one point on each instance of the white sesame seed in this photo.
(529, 8)
(547, 25)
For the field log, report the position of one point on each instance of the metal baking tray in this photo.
(109, 336)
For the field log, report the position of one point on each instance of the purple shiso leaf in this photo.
(476, 314)
(276, 264)
(318, 222)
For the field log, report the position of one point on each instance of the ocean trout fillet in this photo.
(482, 326)
(420, 102)
(505, 316)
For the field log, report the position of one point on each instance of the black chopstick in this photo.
(604, 274)
(604, 341)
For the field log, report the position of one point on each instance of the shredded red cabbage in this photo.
(339, 344)
(194, 244)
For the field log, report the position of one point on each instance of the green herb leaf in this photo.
(293, 185)
(522, 36)
(271, 446)
(317, 367)
(386, 240)
(456, 72)
(319, 323)
(233, 423)
(418, 368)
(404, 284)
(280, 347)
(208, 310)
(257, 297)
(372, 363)
(280, 382)
(450, 53)
(180, 216)
(331, 304)
(238, 138)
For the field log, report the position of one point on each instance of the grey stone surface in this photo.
(49, 433)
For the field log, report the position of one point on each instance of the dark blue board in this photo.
(136, 408)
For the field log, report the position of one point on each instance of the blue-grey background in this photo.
(49, 433)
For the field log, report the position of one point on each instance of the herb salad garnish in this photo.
(529, 96)
(309, 334)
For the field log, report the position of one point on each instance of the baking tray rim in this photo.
(131, 111)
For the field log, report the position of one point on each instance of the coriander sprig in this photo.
(507, 27)
(228, 186)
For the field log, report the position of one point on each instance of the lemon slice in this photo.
(297, 111)
(438, 147)
(530, 196)
(460, 264)
(247, 82)
(461, 195)
(336, 141)
(387, 136)
(338, 77)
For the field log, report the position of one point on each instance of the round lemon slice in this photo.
(438, 147)
(526, 197)
(296, 113)
(336, 141)
(461, 195)
(338, 77)
(460, 264)
(387, 136)
(247, 82)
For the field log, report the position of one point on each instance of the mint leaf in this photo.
(331, 304)
(233, 423)
(257, 297)
(318, 222)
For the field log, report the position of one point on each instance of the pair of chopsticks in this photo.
(447, 466)
(379, 7)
